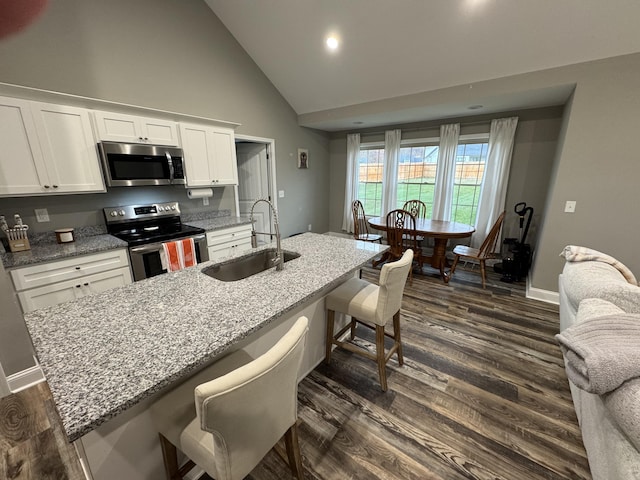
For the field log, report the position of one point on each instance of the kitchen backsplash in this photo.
(85, 210)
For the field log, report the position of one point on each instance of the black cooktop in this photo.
(143, 234)
(151, 223)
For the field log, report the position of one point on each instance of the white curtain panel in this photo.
(443, 192)
(351, 185)
(496, 176)
(390, 170)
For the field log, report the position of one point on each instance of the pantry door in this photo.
(255, 174)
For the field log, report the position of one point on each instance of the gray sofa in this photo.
(610, 423)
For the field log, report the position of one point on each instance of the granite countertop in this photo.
(105, 353)
(218, 223)
(44, 247)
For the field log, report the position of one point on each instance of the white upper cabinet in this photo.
(209, 155)
(117, 127)
(46, 149)
(68, 148)
(22, 169)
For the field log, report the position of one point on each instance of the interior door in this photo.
(253, 183)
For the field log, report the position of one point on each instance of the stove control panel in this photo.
(141, 212)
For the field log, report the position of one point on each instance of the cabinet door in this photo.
(225, 167)
(197, 154)
(22, 169)
(119, 127)
(68, 148)
(116, 127)
(61, 292)
(159, 132)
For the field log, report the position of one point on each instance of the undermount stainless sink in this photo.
(248, 265)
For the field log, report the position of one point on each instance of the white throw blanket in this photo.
(602, 353)
(574, 253)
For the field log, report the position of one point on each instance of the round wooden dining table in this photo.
(440, 230)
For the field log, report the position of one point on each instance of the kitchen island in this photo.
(106, 353)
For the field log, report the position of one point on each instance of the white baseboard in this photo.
(547, 296)
(25, 378)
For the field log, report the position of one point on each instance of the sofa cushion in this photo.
(584, 280)
(596, 307)
(623, 405)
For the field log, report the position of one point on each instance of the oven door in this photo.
(145, 259)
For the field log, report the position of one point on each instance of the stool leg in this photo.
(396, 337)
(331, 316)
(170, 457)
(353, 328)
(293, 451)
(382, 371)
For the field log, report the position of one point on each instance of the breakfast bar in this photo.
(106, 353)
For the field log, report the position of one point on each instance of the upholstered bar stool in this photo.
(227, 425)
(372, 306)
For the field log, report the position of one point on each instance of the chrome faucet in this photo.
(279, 260)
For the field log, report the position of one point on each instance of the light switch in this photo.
(280, 193)
(570, 206)
(42, 215)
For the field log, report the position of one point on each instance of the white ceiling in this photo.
(392, 48)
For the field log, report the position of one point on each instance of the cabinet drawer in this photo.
(237, 234)
(68, 269)
(229, 248)
(73, 289)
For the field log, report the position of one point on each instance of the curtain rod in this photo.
(415, 129)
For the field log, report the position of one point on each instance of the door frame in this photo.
(271, 154)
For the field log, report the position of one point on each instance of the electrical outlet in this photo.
(42, 215)
(570, 206)
(280, 193)
(205, 201)
(309, 228)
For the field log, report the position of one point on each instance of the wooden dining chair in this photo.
(479, 255)
(401, 236)
(361, 226)
(417, 208)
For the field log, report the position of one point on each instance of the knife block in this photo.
(19, 245)
(18, 240)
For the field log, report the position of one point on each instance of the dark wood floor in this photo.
(482, 395)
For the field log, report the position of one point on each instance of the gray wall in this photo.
(598, 167)
(170, 55)
(533, 156)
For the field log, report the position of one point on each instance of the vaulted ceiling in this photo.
(394, 48)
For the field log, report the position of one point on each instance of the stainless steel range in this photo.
(145, 228)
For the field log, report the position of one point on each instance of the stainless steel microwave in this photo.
(132, 165)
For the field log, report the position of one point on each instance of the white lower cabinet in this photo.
(229, 241)
(51, 283)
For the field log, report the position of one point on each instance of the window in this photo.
(369, 193)
(417, 170)
(470, 162)
(417, 175)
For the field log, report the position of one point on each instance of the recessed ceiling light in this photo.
(332, 42)
(475, 107)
